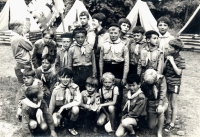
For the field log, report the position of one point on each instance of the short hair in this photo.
(84, 13)
(100, 17)
(149, 33)
(138, 29)
(124, 20)
(165, 20)
(133, 78)
(65, 72)
(48, 32)
(150, 76)
(28, 72)
(79, 30)
(76, 24)
(49, 58)
(176, 43)
(108, 75)
(32, 92)
(13, 25)
(92, 81)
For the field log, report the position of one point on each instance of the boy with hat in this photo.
(174, 66)
(62, 55)
(150, 56)
(135, 48)
(84, 18)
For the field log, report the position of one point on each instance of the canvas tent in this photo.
(72, 15)
(147, 20)
(16, 11)
(193, 24)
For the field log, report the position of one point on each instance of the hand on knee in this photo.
(43, 126)
(33, 124)
(56, 119)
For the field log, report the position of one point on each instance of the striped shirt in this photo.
(171, 76)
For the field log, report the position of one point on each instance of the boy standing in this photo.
(174, 66)
(21, 48)
(62, 56)
(35, 112)
(150, 56)
(135, 48)
(81, 58)
(65, 99)
(154, 88)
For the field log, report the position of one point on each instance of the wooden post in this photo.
(62, 18)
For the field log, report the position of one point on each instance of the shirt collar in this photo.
(166, 35)
(104, 88)
(152, 49)
(115, 42)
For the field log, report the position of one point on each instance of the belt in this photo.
(113, 62)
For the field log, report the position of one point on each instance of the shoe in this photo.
(166, 125)
(73, 132)
(169, 128)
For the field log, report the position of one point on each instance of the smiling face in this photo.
(80, 38)
(28, 80)
(108, 83)
(125, 27)
(162, 27)
(64, 80)
(114, 33)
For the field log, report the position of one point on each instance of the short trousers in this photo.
(152, 105)
(173, 88)
(65, 113)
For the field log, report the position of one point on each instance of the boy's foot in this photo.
(169, 128)
(166, 125)
(73, 132)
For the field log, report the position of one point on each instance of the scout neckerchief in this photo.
(45, 50)
(162, 40)
(130, 97)
(65, 56)
(45, 72)
(39, 113)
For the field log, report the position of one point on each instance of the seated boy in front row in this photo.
(35, 112)
(134, 108)
(154, 88)
(65, 99)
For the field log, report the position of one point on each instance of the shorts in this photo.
(65, 113)
(173, 88)
(152, 105)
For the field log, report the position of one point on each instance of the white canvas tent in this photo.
(72, 15)
(193, 24)
(16, 11)
(147, 20)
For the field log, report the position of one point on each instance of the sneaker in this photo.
(169, 128)
(73, 132)
(166, 125)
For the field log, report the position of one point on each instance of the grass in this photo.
(188, 101)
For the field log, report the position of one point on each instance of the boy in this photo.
(154, 88)
(62, 56)
(150, 56)
(134, 108)
(125, 26)
(65, 99)
(84, 18)
(164, 35)
(81, 59)
(174, 66)
(21, 48)
(46, 73)
(108, 95)
(35, 112)
(135, 48)
(90, 101)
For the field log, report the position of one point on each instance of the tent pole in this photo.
(62, 18)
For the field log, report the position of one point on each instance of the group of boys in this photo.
(135, 78)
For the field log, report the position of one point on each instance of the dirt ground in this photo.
(187, 124)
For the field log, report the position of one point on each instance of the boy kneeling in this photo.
(134, 108)
(35, 112)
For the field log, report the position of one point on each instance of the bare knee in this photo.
(111, 109)
(100, 121)
(56, 119)
(124, 123)
(75, 110)
(33, 124)
(43, 126)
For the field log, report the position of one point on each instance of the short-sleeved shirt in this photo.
(108, 94)
(171, 77)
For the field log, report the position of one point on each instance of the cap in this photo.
(84, 13)
(176, 43)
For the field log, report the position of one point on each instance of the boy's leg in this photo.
(120, 131)
(56, 119)
(32, 124)
(168, 111)
(174, 107)
(129, 123)
(112, 112)
(101, 119)
(161, 119)
(152, 120)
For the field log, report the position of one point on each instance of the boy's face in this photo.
(171, 50)
(47, 38)
(65, 80)
(114, 34)
(46, 64)
(153, 40)
(83, 20)
(125, 27)
(133, 87)
(19, 29)
(163, 27)
(28, 80)
(90, 89)
(108, 83)
(95, 23)
(80, 38)
(137, 37)
(66, 42)
(40, 95)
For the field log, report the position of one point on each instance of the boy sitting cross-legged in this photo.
(35, 112)
(134, 108)
(65, 99)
